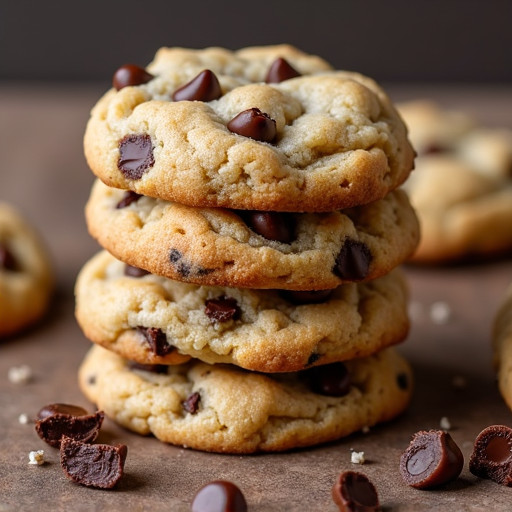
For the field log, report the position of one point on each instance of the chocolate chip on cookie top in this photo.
(204, 87)
(130, 74)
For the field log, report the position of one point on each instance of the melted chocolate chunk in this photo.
(219, 496)
(492, 455)
(131, 271)
(280, 70)
(432, 459)
(128, 198)
(353, 492)
(353, 261)
(57, 420)
(92, 465)
(222, 309)
(271, 225)
(130, 74)
(330, 379)
(7, 260)
(135, 155)
(204, 87)
(191, 404)
(306, 297)
(255, 124)
(157, 340)
(153, 368)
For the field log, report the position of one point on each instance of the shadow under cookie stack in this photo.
(249, 209)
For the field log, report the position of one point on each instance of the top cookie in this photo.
(204, 128)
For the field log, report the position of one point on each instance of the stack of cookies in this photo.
(249, 209)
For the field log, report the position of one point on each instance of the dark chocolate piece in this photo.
(191, 404)
(353, 261)
(7, 260)
(135, 155)
(431, 459)
(131, 271)
(92, 465)
(403, 381)
(182, 268)
(204, 87)
(313, 358)
(492, 455)
(153, 368)
(52, 409)
(276, 226)
(280, 70)
(219, 496)
(130, 74)
(255, 124)
(222, 309)
(330, 379)
(353, 492)
(128, 198)
(305, 297)
(157, 340)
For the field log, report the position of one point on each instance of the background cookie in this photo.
(259, 330)
(215, 246)
(221, 408)
(26, 277)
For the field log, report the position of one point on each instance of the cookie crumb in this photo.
(440, 312)
(23, 419)
(357, 458)
(36, 457)
(445, 423)
(459, 382)
(20, 374)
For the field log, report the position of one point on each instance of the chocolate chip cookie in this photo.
(215, 246)
(221, 408)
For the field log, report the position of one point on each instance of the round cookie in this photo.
(462, 186)
(221, 408)
(214, 246)
(262, 330)
(26, 277)
(318, 142)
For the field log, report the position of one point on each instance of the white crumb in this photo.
(36, 457)
(20, 374)
(440, 312)
(459, 382)
(357, 457)
(23, 419)
(445, 423)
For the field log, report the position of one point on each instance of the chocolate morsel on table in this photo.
(219, 496)
(130, 74)
(204, 87)
(353, 492)
(431, 459)
(255, 124)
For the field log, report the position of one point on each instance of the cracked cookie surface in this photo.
(220, 408)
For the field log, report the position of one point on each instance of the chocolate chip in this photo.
(130, 74)
(222, 309)
(57, 420)
(204, 87)
(353, 261)
(305, 297)
(255, 124)
(330, 379)
(402, 380)
(131, 271)
(157, 340)
(271, 225)
(280, 70)
(7, 260)
(92, 465)
(313, 358)
(135, 155)
(153, 368)
(353, 492)
(219, 496)
(191, 404)
(182, 268)
(492, 455)
(128, 198)
(431, 459)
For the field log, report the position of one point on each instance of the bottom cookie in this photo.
(222, 408)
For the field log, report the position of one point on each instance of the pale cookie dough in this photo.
(462, 186)
(26, 276)
(221, 408)
(339, 141)
(256, 329)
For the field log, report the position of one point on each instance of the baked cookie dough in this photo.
(462, 186)
(221, 408)
(262, 330)
(214, 246)
(26, 277)
(321, 141)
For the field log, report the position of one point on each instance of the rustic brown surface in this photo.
(43, 172)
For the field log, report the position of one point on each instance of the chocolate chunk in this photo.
(402, 380)
(219, 496)
(313, 358)
(353, 261)
(204, 87)
(431, 459)
(7, 260)
(330, 379)
(305, 297)
(57, 420)
(279, 71)
(492, 455)
(353, 492)
(222, 309)
(135, 155)
(131, 271)
(191, 404)
(130, 74)
(182, 268)
(157, 340)
(255, 124)
(128, 198)
(271, 225)
(153, 368)
(92, 465)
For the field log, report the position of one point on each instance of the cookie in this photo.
(221, 408)
(262, 330)
(26, 278)
(462, 186)
(215, 246)
(315, 142)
